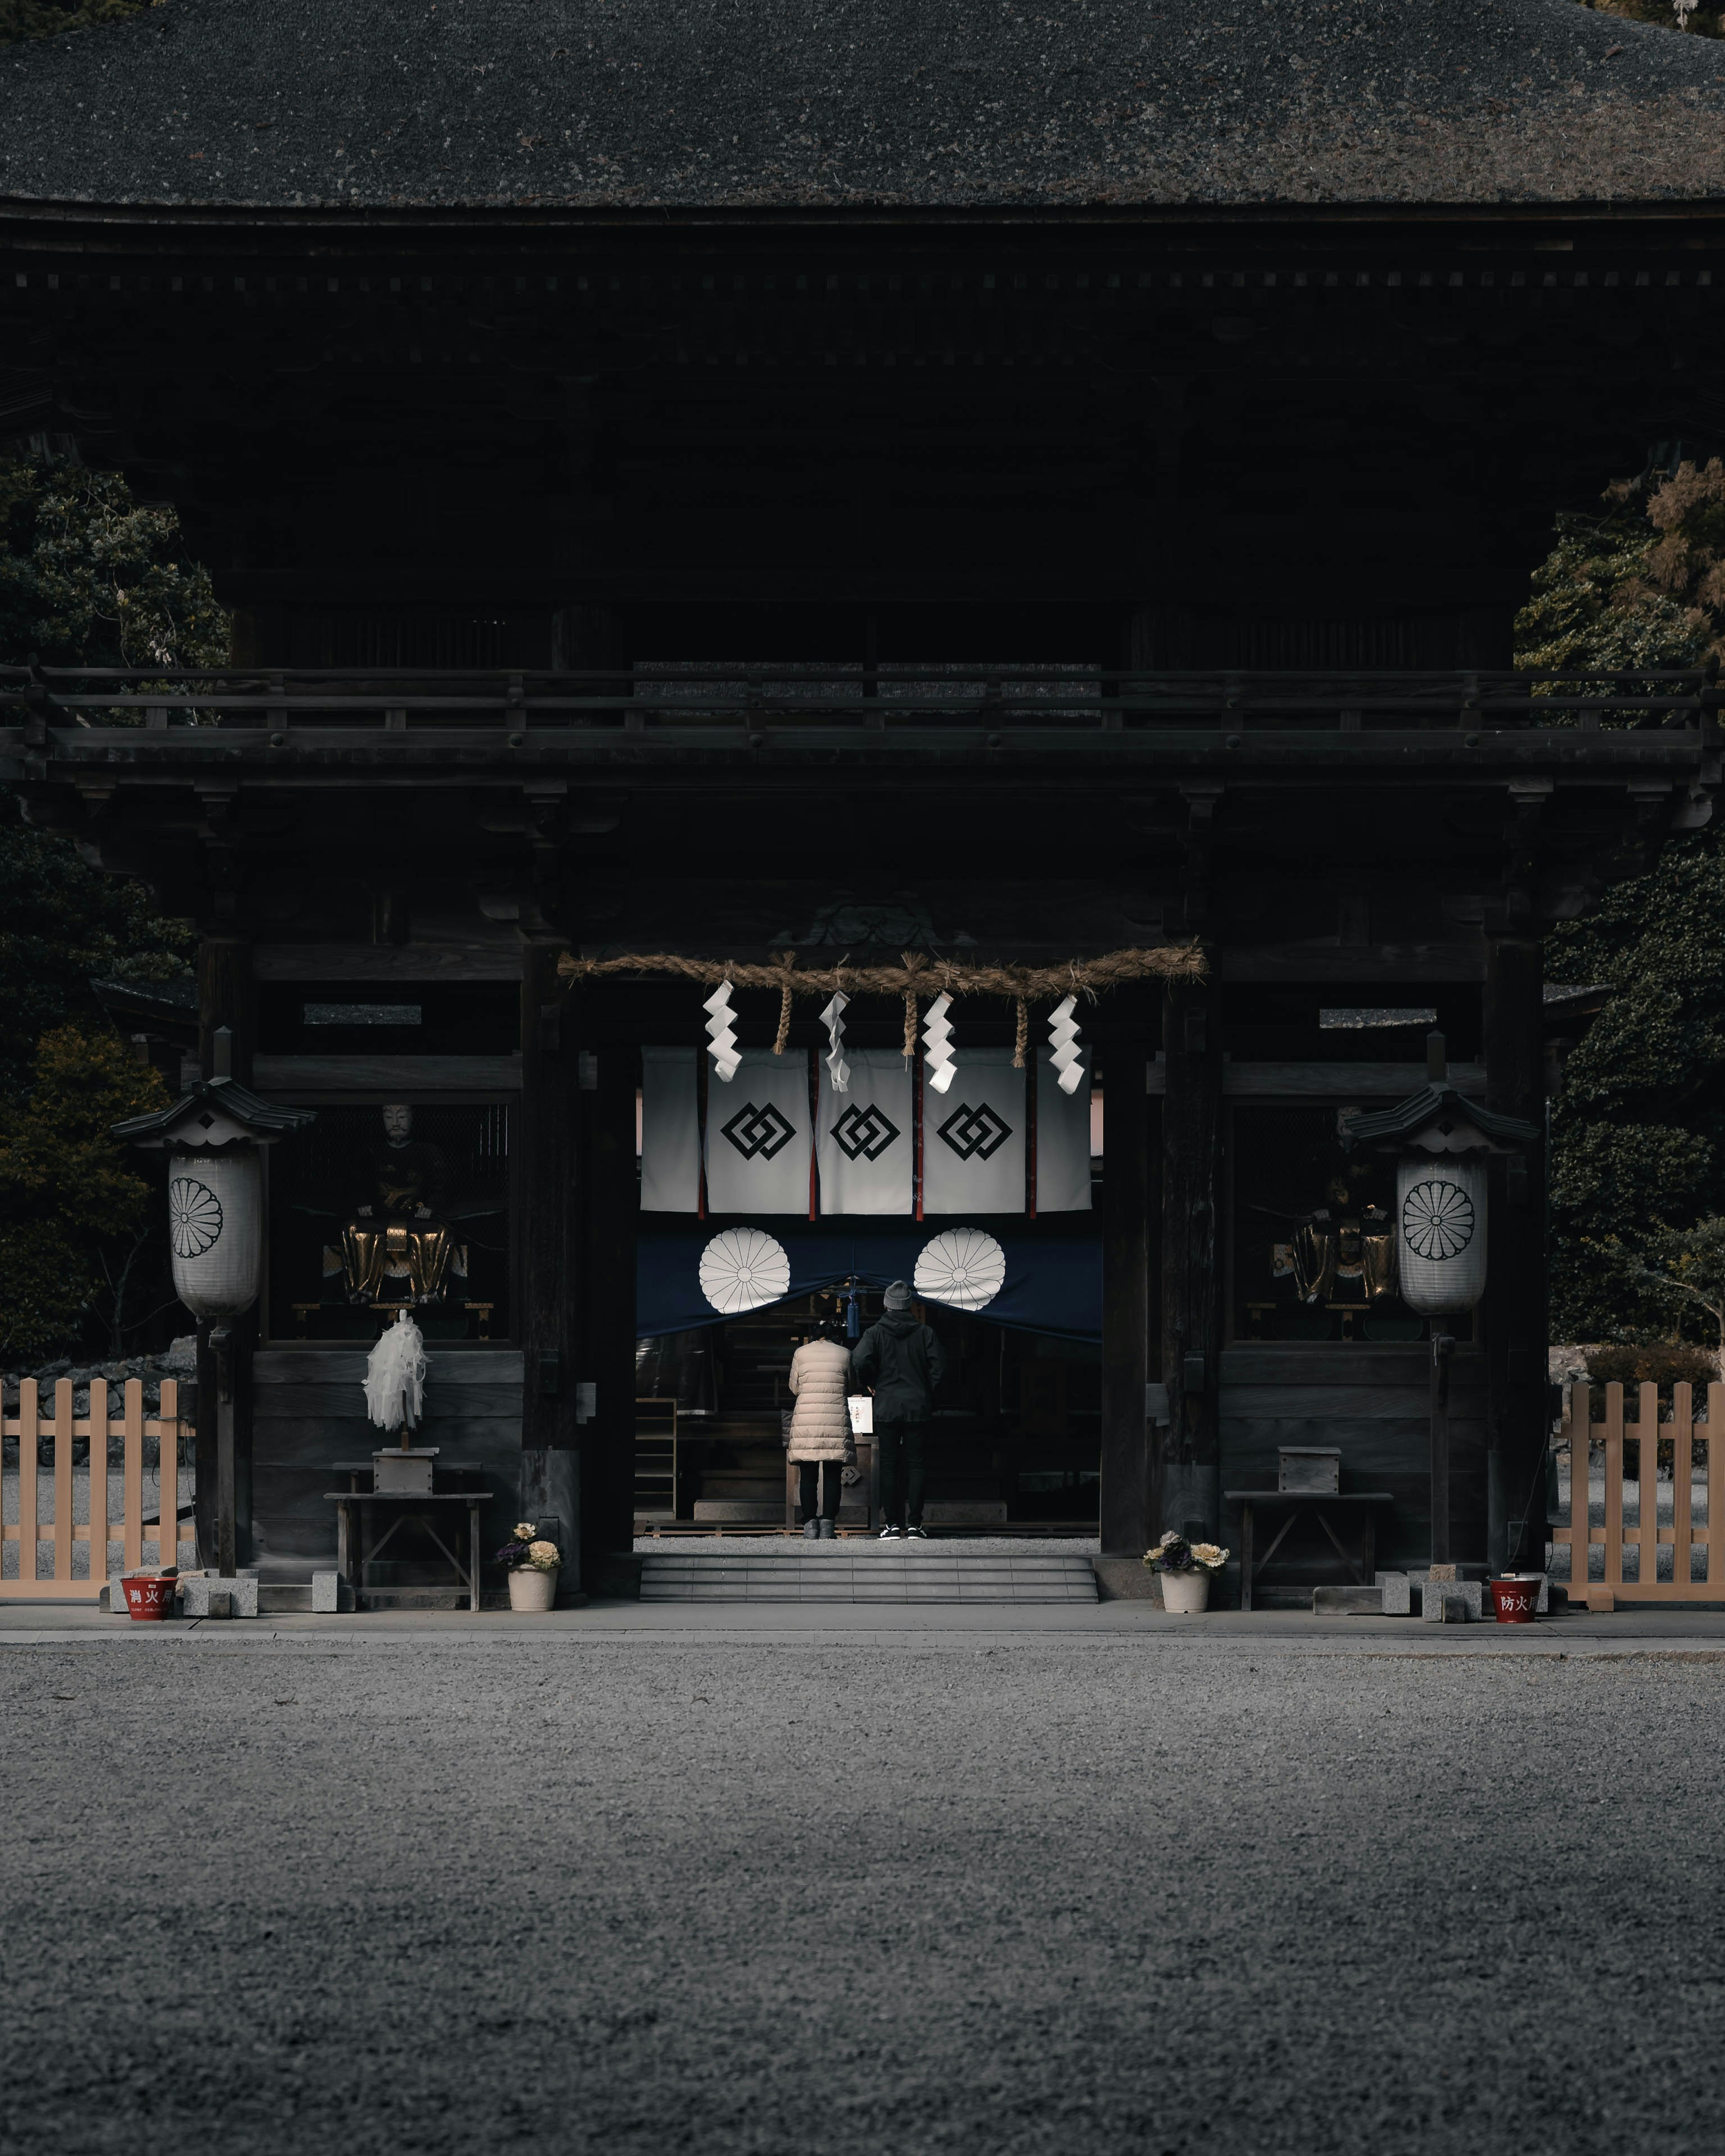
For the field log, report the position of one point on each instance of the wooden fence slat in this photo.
(1716, 1484)
(1682, 1472)
(133, 1535)
(167, 1529)
(1613, 1489)
(30, 1420)
(63, 1479)
(99, 1478)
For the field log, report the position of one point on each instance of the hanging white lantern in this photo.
(215, 1225)
(1440, 1228)
(213, 1136)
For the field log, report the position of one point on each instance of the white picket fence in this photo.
(83, 1507)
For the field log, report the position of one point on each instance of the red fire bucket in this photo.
(147, 1596)
(1516, 1600)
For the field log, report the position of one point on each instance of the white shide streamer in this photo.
(833, 1018)
(395, 1375)
(937, 1042)
(721, 1040)
(1063, 1039)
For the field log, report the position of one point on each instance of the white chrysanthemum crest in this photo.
(937, 1044)
(1063, 1039)
(721, 1040)
(833, 1018)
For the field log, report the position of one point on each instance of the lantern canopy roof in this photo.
(1437, 1119)
(214, 1111)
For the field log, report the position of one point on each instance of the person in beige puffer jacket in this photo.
(820, 1427)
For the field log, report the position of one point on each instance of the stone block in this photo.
(1451, 1602)
(206, 1594)
(1125, 1579)
(1472, 1592)
(1398, 1591)
(325, 1594)
(1347, 1601)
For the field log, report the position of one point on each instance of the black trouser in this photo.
(903, 1448)
(807, 1472)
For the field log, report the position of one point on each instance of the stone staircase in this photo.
(869, 1571)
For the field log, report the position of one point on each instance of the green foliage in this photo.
(74, 1213)
(1659, 1365)
(1594, 607)
(1638, 1133)
(61, 922)
(88, 576)
(46, 18)
(1686, 1268)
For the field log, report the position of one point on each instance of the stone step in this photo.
(885, 1573)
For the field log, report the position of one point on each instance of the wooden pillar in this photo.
(1516, 1325)
(1127, 1196)
(1185, 1491)
(611, 1070)
(226, 997)
(222, 1444)
(547, 1183)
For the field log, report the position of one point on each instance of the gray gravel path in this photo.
(1127, 1893)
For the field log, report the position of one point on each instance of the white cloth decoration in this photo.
(937, 1041)
(1063, 1037)
(395, 1375)
(744, 1269)
(833, 1018)
(964, 1268)
(722, 1041)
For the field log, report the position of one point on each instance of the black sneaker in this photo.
(889, 1534)
(919, 1534)
(811, 1530)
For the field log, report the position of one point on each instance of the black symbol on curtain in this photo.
(974, 1133)
(758, 1133)
(863, 1133)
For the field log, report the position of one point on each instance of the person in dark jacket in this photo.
(900, 1361)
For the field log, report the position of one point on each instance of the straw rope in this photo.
(915, 974)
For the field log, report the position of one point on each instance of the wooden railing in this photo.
(141, 1539)
(276, 703)
(1697, 1454)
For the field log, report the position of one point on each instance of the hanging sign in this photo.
(671, 1131)
(215, 1205)
(973, 1137)
(866, 1136)
(758, 1135)
(1062, 1139)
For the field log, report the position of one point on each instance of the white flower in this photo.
(525, 1530)
(544, 1557)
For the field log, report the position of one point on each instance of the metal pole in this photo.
(1443, 1347)
(222, 1341)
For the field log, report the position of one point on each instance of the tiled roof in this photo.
(708, 103)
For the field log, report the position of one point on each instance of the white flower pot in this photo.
(1186, 1593)
(529, 1589)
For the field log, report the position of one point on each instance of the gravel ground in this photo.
(959, 1894)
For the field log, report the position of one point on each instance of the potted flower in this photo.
(1186, 1569)
(532, 1566)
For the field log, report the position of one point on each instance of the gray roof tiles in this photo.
(709, 103)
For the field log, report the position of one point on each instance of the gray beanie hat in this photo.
(898, 1296)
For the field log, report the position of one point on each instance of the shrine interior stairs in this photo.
(861, 1571)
